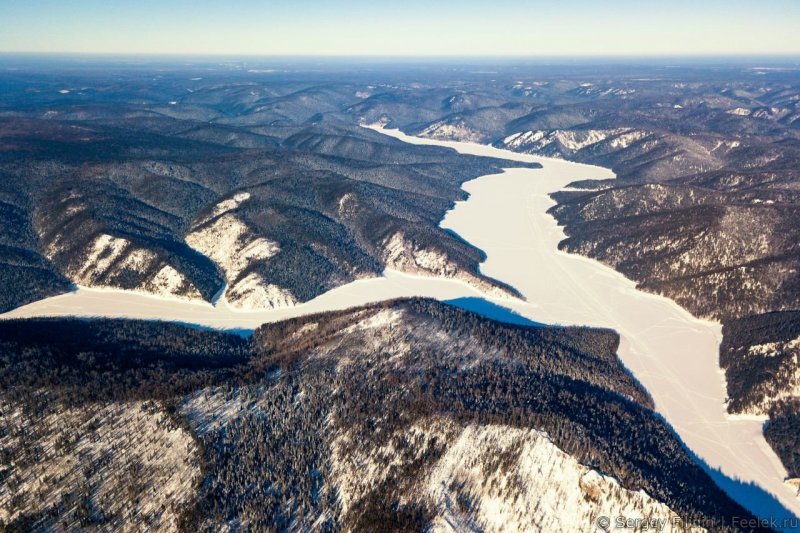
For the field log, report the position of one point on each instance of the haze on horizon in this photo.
(409, 28)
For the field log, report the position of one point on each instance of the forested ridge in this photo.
(272, 425)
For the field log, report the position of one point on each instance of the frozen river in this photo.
(673, 354)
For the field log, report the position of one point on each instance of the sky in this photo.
(403, 27)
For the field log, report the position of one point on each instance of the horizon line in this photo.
(793, 56)
(322, 54)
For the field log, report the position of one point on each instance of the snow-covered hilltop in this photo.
(409, 413)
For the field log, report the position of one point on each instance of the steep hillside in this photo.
(717, 257)
(461, 423)
(27, 275)
(760, 357)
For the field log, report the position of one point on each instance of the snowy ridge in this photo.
(493, 478)
(107, 257)
(518, 480)
(401, 254)
(227, 241)
(229, 205)
(456, 130)
(563, 143)
(255, 292)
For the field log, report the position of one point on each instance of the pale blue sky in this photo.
(402, 27)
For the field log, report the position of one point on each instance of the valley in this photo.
(506, 217)
(229, 304)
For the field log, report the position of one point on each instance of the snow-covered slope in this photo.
(645, 154)
(228, 241)
(108, 260)
(403, 255)
(566, 143)
(529, 486)
(127, 458)
(452, 130)
(499, 478)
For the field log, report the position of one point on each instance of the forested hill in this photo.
(409, 414)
